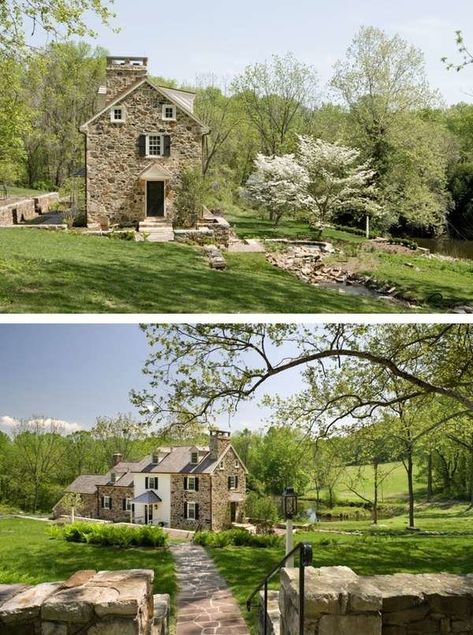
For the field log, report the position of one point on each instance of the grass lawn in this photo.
(367, 554)
(22, 191)
(43, 272)
(29, 555)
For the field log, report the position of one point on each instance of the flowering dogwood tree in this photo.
(278, 185)
(337, 180)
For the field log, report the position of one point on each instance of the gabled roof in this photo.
(149, 498)
(227, 449)
(165, 92)
(154, 171)
(179, 461)
(87, 483)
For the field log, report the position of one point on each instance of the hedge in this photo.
(111, 535)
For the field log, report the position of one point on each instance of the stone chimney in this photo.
(219, 440)
(122, 72)
(117, 458)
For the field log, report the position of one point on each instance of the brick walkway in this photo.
(205, 605)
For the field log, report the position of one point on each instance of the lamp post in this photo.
(289, 500)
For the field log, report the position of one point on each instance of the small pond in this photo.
(448, 247)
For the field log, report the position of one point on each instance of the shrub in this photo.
(111, 535)
(262, 508)
(405, 242)
(351, 230)
(190, 194)
(236, 538)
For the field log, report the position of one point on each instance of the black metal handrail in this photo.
(305, 560)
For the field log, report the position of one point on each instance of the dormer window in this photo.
(169, 112)
(194, 458)
(117, 115)
(155, 458)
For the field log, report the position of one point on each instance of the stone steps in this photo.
(157, 230)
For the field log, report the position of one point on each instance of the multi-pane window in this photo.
(154, 145)
(151, 482)
(232, 482)
(191, 511)
(194, 458)
(169, 112)
(117, 114)
(191, 484)
(127, 504)
(106, 502)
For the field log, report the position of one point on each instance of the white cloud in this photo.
(9, 424)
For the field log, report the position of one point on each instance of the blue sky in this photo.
(190, 38)
(77, 372)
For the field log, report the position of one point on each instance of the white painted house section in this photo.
(161, 512)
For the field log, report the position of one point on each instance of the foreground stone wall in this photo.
(338, 602)
(90, 603)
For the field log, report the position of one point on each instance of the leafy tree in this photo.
(190, 196)
(55, 17)
(338, 181)
(117, 435)
(72, 502)
(278, 186)
(274, 95)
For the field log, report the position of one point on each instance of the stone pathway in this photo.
(205, 605)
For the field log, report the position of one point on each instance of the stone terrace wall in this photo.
(24, 209)
(90, 603)
(338, 602)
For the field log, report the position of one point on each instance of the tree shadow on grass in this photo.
(97, 276)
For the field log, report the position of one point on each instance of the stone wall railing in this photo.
(24, 209)
(89, 603)
(339, 602)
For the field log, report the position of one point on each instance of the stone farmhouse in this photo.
(184, 487)
(137, 145)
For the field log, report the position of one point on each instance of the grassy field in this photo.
(42, 272)
(28, 554)
(435, 284)
(367, 552)
(22, 191)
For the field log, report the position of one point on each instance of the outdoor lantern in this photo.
(289, 500)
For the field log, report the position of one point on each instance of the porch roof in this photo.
(148, 498)
(236, 498)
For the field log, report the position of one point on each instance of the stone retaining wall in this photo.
(339, 602)
(25, 209)
(90, 603)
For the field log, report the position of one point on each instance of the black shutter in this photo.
(110, 506)
(185, 510)
(229, 483)
(167, 145)
(142, 145)
(102, 502)
(196, 484)
(185, 483)
(146, 483)
(124, 504)
(197, 511)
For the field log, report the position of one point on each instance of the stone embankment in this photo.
(90, 603)
(339, 602)
(19, 210)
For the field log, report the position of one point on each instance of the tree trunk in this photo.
(430, 489)
(471, 476)
(410, 485)
(375, 494)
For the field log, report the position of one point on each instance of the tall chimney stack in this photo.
(219, 440)
(117, 458)
(122, 72)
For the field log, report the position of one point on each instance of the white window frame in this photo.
(189, 488)
(155, 480)
(233, 478)
(189, 506)
(196, 454)
(128, 504)
(222, 465)
(174, 112)
(112, 114)
(161, 148)
(237, 464)
(107, 502)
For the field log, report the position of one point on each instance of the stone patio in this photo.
(205, 604)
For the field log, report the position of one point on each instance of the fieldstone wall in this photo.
(221, 495)
(179, 496)
(116, 513)
(89, 507)
(23, 209)
(338, 602)
(115, 193)
(90, 603)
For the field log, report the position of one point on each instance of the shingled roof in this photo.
(87, 483)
